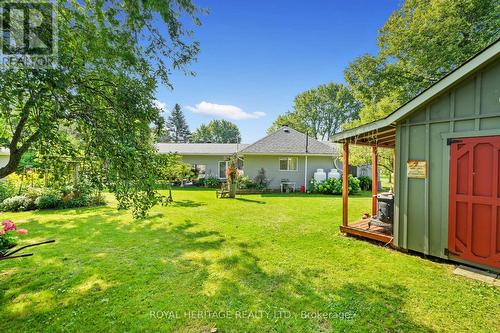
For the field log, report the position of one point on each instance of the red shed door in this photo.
(474, 212)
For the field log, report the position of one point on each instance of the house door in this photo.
(474, 211)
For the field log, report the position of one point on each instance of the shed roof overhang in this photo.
(379, 133)
(382, 133)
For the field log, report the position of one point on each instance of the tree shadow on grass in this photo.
(188, 203)
(116, 267)
(74, 211)
(82, 269)
(300, 195)
(251, 200)
(293, 303)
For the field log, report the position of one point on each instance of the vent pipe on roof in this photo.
(307, 142)
(286, 129)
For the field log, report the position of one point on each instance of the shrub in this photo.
(97, 199)
(66, 196)
(48, 201)
(33, 193)
(329, 186)
(212, 182)
(7, 189)
(21, 182)
(261, 181)
(334, 186)
(353, 184)
(365, 183)
(75, 202)
(7, 241)
(246, 183)
(17, 203)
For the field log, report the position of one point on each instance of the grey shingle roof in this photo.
(288, 140)
(200, 148)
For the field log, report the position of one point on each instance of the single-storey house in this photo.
(288, 157)
(209, 159)
(447, 166)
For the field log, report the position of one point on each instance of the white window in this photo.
(201, 170)
(288, 164)
(223, 165)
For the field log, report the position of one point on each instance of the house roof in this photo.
(289, 141)
(200, 148)
(4, 151)
(383, 130)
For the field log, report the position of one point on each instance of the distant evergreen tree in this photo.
(177, 129)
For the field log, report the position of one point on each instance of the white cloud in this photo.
(161, 105)
(224, 111)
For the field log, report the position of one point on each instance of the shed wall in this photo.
(471, 108)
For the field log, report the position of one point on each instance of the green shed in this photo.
(447, 150)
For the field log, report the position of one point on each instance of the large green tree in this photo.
(418, 44)
(177, 129)
(217, 131)
(101, 91)
(426, 39)
(320, 111)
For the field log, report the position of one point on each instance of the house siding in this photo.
(270, 163)
(4, 159)
(470, 107)
(211, 162)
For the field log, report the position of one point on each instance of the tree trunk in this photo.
(11, 167)
(232, 189)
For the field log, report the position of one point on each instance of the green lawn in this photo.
(262, 262)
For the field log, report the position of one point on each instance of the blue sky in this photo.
(256, 56)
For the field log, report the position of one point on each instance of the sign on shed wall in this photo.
(416, 169)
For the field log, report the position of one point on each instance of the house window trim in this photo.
(218, 169)
(195, 166)
(288, 163)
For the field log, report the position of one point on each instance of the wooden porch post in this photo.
(345, 184)
(374, 180)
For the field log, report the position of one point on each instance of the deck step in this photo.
(361, 229)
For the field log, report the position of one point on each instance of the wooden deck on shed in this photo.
(360, 229)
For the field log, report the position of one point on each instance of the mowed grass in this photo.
(270, 263)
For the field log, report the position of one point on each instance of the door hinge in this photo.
(449, 141)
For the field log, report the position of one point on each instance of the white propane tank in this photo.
(334, 173)
(320, 175)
